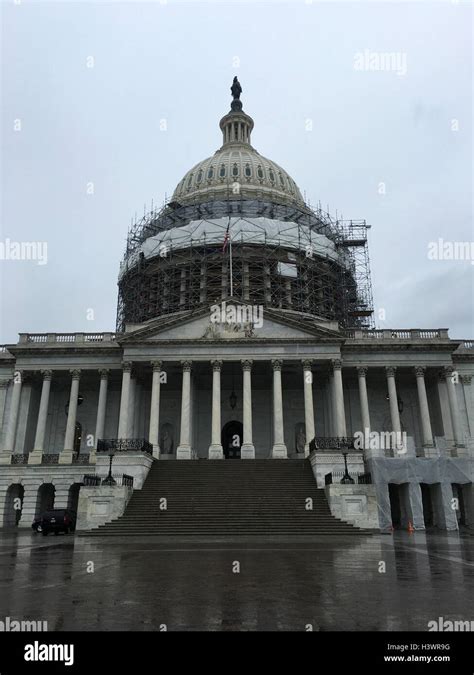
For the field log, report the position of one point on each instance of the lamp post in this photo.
(346, 479)
(110, 480)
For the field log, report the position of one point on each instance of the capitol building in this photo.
(244, 332)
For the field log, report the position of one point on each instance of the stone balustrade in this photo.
(403, 334)
(47, 338)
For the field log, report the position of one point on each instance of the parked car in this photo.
(55, 520)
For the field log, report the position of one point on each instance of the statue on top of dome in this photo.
(236, 89)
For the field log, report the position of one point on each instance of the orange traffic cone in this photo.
(410, 527)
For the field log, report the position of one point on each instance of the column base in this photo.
(279, 451)
(247, 451)
(215, 451)
(35, 457)
(5, 457)
(156, 451)
(184, 452)
(65, 457)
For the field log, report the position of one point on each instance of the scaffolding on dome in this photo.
(281, 256)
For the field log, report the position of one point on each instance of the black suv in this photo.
(55, 520)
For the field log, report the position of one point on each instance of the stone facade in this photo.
(355, 504)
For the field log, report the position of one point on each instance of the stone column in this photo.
(424, 409)
(132, 391)
(279, 450)
(37, 454)
(101, 408)
(393, 399)
(453, 407)
(65, 456)
(12, 420)
(3, 398)
(184, 448)
(339, 399)
(364, 401)
(467, 390)
(124, 400)
(308, 404)
(155, 409)
(247, 451)
(215, 449)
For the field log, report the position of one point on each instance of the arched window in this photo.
(222, 171)
(260, 173)
(235, 170)
(210, 173)
(272, 175)
(248, 170)
(199, 176)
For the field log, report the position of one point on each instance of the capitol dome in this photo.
(237, 227)
(237, 169)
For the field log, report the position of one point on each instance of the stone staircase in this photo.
(263, 497)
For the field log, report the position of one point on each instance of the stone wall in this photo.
(355, 504)
(101, 504)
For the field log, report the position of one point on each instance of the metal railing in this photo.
(81, 458)
(19, 458)
(121, 480)
(332, 443)
(336, 476)
(50, 458)
(107, 445)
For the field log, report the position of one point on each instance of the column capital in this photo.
(307, 364)
(156, 365)
(19, 376)
(419, 371)
(277, 364)
(47, 374)
(336, 364)
(466, 379)
(246, 364)
(187, 365)
(75, 374)
(362, 371)
(448, 371)
(104, 373)
(127, 366)
(390, 371)
(216, 365)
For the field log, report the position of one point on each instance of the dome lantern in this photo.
(236, 126)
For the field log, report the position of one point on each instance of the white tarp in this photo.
(241, 230)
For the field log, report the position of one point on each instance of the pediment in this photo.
(230, 321)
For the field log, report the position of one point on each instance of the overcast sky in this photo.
(392, 146)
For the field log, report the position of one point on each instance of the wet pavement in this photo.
(381, 582)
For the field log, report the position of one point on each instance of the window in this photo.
(190, 180)
(210, 172)
(260, 173)
(199, 176)
(235, 170)
(272, 175)
(282, 182)
(222, 171)
(248, 170)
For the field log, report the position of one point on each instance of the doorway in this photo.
(231, 439)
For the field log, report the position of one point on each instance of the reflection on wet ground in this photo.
(380, 582)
